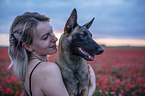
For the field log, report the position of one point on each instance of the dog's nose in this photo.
(100, 51)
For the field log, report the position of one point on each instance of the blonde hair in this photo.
(21, 31)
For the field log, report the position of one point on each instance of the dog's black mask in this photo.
(81, 43)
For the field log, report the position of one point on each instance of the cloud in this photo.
(113, 18)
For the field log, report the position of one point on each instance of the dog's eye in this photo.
(82, 35)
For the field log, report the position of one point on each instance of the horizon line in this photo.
(4, 41)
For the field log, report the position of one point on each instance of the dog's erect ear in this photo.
(71, 22)
(89, 24)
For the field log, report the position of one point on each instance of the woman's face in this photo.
(44, 40)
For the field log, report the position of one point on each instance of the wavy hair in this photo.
(21, 31)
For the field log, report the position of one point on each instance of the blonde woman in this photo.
(31, 40)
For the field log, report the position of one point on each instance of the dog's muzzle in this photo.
(99, 51)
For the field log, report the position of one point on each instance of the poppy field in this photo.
(119, 72)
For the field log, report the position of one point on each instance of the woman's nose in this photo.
(54, 38)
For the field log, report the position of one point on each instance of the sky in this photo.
(122, 21)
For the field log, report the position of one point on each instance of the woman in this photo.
(31, 40)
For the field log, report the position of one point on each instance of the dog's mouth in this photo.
(85, 54)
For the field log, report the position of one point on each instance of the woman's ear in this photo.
(27, 47)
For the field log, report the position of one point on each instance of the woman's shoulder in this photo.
(49, 64)
(48, 78)
(48, 67)
(46, 71)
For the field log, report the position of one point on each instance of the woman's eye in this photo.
(45, 37)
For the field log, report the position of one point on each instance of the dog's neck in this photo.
(67, 58)
(72, 61)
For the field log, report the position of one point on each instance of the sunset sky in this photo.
(117, 22)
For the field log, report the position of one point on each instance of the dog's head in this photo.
(80, 39)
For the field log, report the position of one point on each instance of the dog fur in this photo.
(75, 46)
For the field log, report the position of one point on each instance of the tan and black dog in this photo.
(75, 46)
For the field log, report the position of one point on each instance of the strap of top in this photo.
(25, 89)
(30, 78)
(34, 58)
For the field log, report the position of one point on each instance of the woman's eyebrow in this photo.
(47, 33)
(44, 34)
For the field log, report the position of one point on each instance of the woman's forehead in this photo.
(42, 28)
(43, 24)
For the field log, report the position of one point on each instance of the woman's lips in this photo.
(54, 46)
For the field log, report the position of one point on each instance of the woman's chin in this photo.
(52, 52)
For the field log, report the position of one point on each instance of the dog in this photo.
(75, 46)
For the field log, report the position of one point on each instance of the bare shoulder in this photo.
(49, 79)
(46, 71)
(48, 68)
(50, 65)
